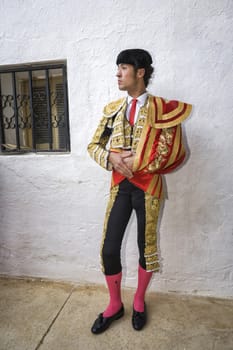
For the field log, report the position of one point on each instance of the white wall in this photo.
(52, 206)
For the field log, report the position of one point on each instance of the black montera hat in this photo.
(139, 58)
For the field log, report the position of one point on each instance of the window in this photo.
(34, 108)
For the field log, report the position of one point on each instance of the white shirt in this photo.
(140, 102)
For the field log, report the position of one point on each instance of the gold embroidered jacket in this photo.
(156, 140)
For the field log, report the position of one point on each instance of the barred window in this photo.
(34, 108)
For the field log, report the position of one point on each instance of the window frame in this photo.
(29, 68)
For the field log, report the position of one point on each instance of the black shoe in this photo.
(139, 319)
(102, 323)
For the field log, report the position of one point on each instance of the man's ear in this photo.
(140, 72)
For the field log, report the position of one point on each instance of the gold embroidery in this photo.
(121, 136)
(156, 181)
(112, 198)
(113, 107)
(115, 132)
(151, 251)
(140, 144)
(163, 149)
(175, 147)
(137, 130)
(159, 107)
(97, 147)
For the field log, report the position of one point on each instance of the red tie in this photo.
(132, 111)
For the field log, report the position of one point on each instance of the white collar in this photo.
(141, 99)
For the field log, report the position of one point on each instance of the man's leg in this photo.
(144, 278)
(117, 216)
(117, 221)
(147, 209)
(114, 288)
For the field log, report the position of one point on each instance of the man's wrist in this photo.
(109, 164)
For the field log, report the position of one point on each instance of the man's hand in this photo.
(128, 159)
(121, 162)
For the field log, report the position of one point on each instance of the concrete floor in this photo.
(43, 315)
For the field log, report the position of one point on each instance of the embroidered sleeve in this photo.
(97, 148)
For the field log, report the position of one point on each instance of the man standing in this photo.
(139, 138)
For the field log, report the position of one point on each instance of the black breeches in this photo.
(128, 197)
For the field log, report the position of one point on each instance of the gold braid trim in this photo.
(175, 147)
(155, 186)
(113, 107)
(119, 130)
(165, 146)
(112, 198)
(97, 146)
(143, 133)
(152, 205)
(164, 120)
(155, 114)
(173, 113)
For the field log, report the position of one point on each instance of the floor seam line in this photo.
(54, 319)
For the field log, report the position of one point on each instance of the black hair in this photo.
(138, 58)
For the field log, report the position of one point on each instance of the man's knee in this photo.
(111, 260)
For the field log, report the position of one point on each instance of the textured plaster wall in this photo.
(52, 206)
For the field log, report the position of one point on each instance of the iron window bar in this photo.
(30, 68)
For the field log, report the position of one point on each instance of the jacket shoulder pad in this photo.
(113, 107)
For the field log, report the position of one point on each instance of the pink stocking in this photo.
(144, 278)
(114, 287)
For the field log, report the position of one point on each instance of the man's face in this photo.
(127, 77)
